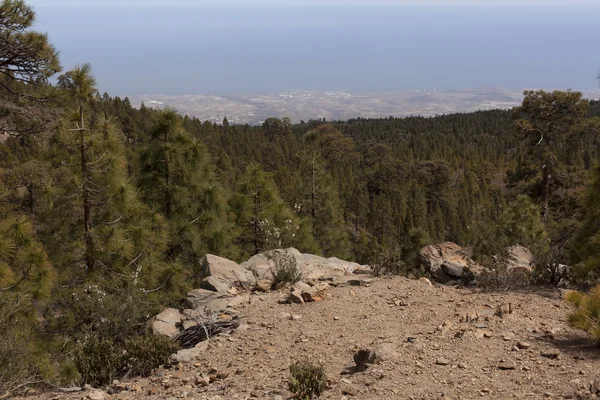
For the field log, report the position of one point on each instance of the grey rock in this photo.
(167, 322)
(447, 262)
(215, 284)
(201, 297)
(226, 271)
(379, 353)
(452, 268)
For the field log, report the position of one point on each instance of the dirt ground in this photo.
(450, 343)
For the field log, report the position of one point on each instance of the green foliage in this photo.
(263, 220)
(389, 262)
(26, 280)
(285, 268)
(178, 180)
(143, 354)
(25, 56)
(586, 248)
(586, 315)
(519, 223)
(308, 380)
(98, 360)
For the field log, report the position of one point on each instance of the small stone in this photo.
(96, 395)
(296, 317)
(263, 286)
(442, 361)
(523, 345)
(508, 337)
(551, 353)
(505, 365)
(336, 318)
(202, 380)
(349, 390)
(296, 297)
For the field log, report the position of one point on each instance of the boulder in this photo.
(201, 297)
(520, 258)
(380, 353)
(167, 322)
(215, 284)
(453, 268)
(448, 262)
(261, 266)
(218, 273)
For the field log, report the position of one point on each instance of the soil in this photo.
(450, 343)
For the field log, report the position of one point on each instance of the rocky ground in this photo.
(432, 342)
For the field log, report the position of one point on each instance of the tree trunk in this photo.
(546, 170)
(313, 184)
(87, 208)
(168, 205)
(256, 222)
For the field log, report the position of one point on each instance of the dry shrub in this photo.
(500, 275)
(586, 315)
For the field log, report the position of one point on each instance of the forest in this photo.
(105, 209)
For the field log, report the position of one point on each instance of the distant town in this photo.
(300, 105)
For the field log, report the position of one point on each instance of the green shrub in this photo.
(143, 354)
(98, 360)
(586, 315)
(389, 262)
(286, 267)
(308, 379)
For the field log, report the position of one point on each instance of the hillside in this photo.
(498, 357)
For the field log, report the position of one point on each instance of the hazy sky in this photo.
(237, 46)
(220, 3)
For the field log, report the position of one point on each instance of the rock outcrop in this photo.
(226, 285)
(220, 274)
(447, 262)
(314, 268)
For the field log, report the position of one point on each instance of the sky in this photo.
(263, 46)
(279, 3)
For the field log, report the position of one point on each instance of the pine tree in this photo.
(178, 181)
(586, 246)
(319, 199)
(263, 220)
(103, 227)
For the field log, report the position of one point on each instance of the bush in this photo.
(388, 262)
(307, 380)
(143, 354)
(99, 361)
(499, 275)
(22, 358)
(286, 267)
(586, 316)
